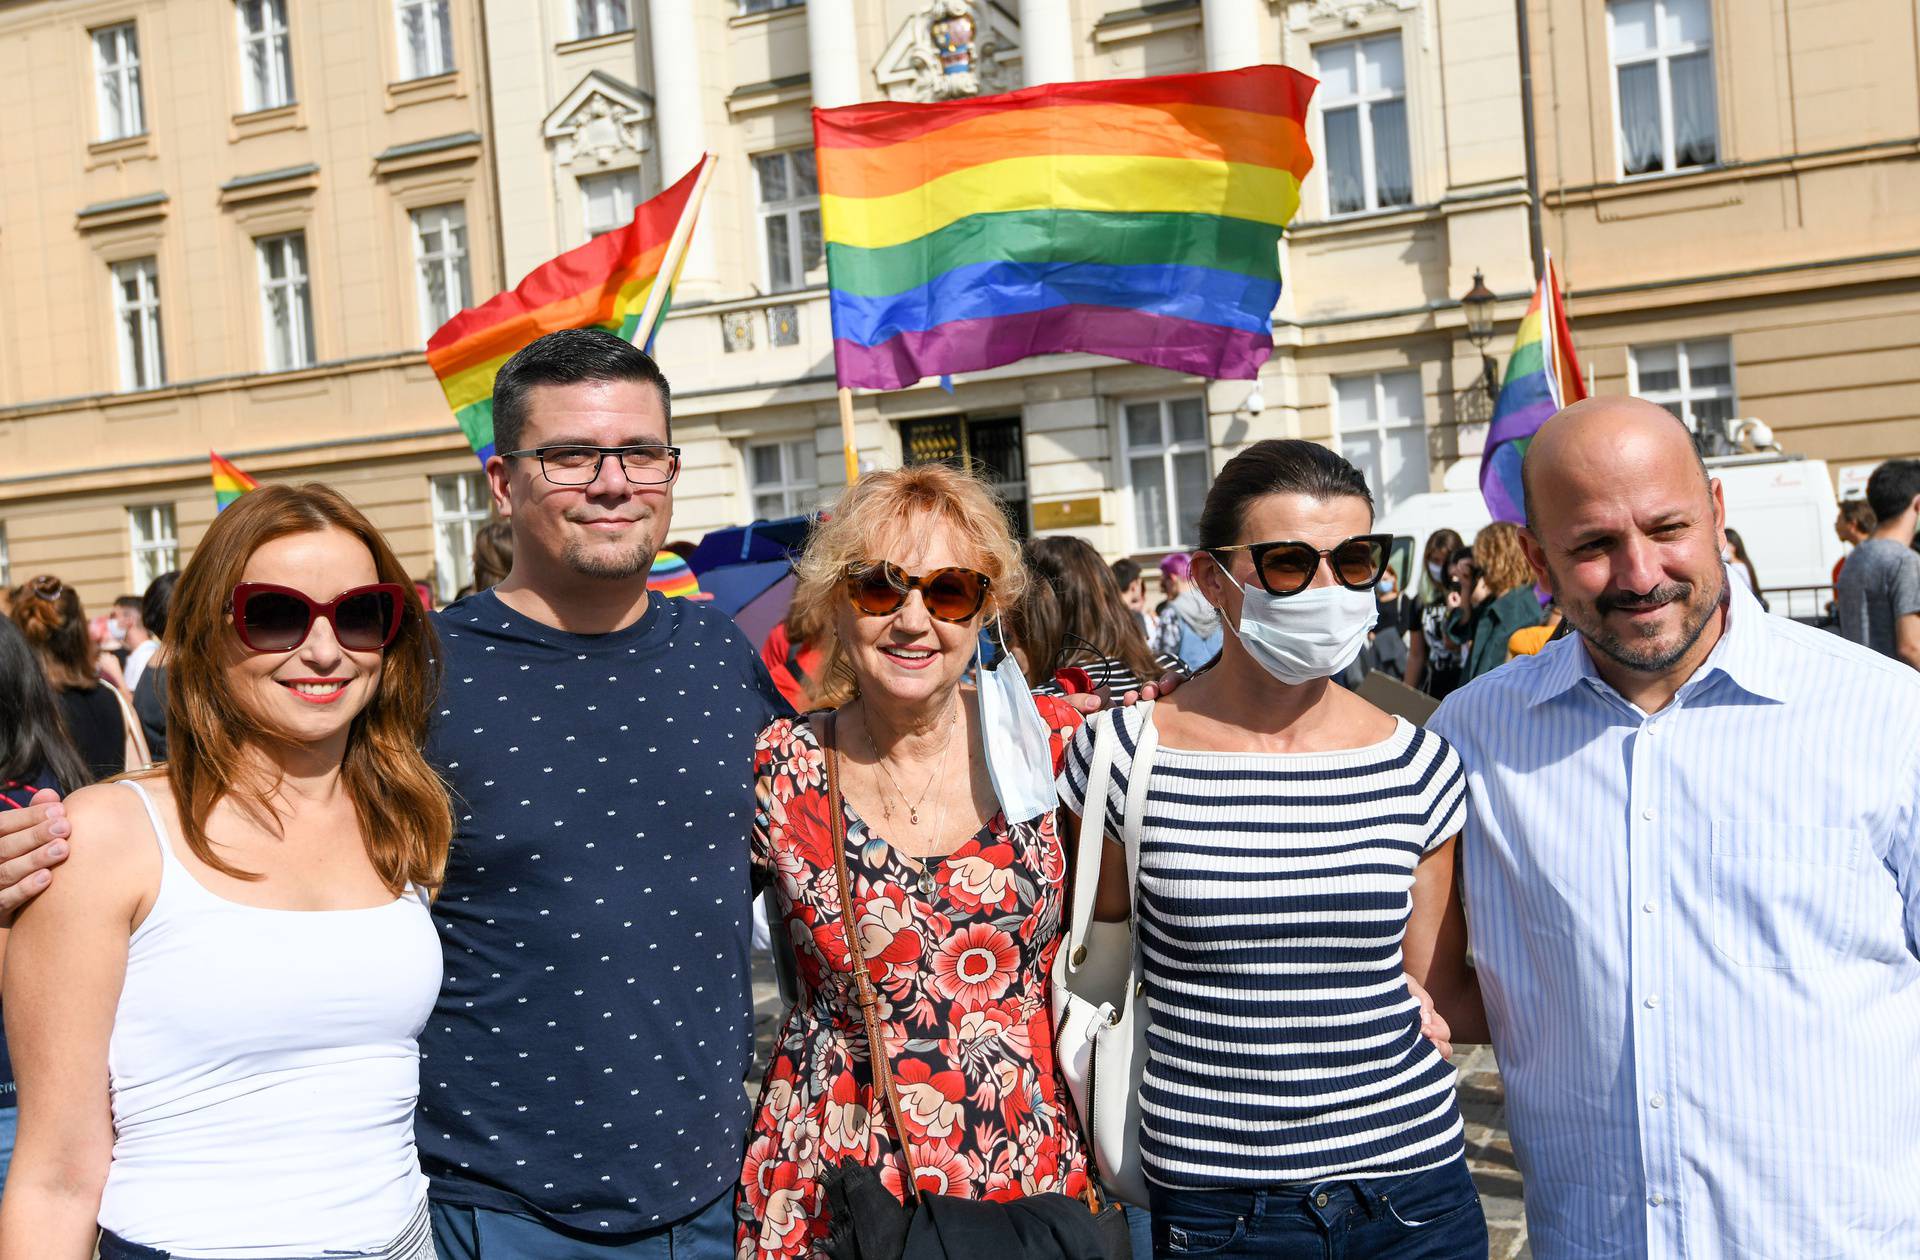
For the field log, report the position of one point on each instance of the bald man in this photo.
(1694, 892)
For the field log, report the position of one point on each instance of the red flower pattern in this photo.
(963, 994)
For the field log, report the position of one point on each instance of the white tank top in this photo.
(264, 1068)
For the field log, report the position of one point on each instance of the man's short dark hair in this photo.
(1891, 489)
(128, 603)
(1126, 572)
(572, 356)
(157, 602)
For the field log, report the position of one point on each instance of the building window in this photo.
(426, 38)
(767, 6)
(116, 66)
(266, 55)
(1167, 470)
(1692, 379)
(1663, 82)
(781, 477)
(608, 200)
(156, 547)
(600, 17)
(285, 301)
(1380, 426)
(440, 249)
(6, 558)
(789, 217)
(461, 502)
(1363, 111)
(136, 309)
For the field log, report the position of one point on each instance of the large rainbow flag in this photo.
(229, 483)
(605, 283)
(1138, 218)
(1543, 375)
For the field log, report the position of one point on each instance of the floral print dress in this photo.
(962, 974)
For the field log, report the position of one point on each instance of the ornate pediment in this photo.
(950, 49)
(1302, 14)
(602, 122)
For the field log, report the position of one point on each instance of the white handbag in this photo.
(1099, 1007)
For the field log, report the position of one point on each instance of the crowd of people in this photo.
(428, 933)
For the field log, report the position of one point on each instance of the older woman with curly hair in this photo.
(955, 905)
(1502, 600)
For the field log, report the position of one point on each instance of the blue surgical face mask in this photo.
(1019, 757)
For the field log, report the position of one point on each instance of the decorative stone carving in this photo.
(1304, 14)
(783, 325)
(602, 122)
(736, 331)
(950, 49)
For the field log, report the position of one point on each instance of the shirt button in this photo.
(1657, 1101)
(1647, 813)
(1653, 1001)
(1656, 1199)
(1647, 907)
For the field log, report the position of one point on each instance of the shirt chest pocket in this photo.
(1786, 897)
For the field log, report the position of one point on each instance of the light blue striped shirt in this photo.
(1696, 932)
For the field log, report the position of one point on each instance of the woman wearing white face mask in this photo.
(1296, 866)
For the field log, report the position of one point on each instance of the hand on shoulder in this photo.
(114, 861)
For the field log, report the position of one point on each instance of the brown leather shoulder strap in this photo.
(877, 1055)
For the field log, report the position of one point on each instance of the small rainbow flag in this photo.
(229, 483)
(1543, 375)
(671, 578)
(606, 283)
(1136, 218)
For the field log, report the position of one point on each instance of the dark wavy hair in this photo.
(1088, 608)
(33, 735)
(1275, 466)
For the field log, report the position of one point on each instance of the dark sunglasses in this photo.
(1287, 568)
(950, 594)
(271, 618)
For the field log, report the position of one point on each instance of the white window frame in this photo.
(136, 324)
(1662, 56)
(600, 17)
(747, 8)
(274, 38)
(1681, 401)
(1363, 103)
(798, 484)
(436, 23)
(1378, 426)
(116, 60)
(625, 186)
(440, 246)
(454, 529)
(154, 538)
(1167, 448)
(793, 209)
(298, 350)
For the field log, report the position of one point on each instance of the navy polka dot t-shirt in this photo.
(584, 1062)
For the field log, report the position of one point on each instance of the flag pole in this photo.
(676, 251)
(849, 446)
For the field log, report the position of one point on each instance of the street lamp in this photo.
(1478, 305)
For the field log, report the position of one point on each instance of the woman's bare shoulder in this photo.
(113, 850)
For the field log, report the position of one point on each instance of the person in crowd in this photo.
(1877, 597)
(1189, 627)
(1434, 656)
(1296, 868)
(1664, 947)
(1503, 599)
(274, 877)
(1528, 640)
(150, 693)
(134, 639)
(1132, 581)
(956, 895)
(492, 554)
(1092, 629)
(1853, 526)
(1740, 565)
(35, 756)
(792, 653)
(1386, 648)
(50, 614)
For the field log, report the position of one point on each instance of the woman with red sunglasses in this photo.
(213, 1012)
(954, 878)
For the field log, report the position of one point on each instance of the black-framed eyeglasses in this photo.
(644, 465)
(1287, 567)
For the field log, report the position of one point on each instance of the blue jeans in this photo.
(465, 1233)
(9, 1125)
(1432, 1215)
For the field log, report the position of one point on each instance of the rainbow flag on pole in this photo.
(613, 282)
(229, 483)
(1138, 218)
(1543, 375)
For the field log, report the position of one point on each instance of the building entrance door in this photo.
(990, 445)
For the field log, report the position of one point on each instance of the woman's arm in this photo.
(66, 959)
(1113, 901)
(1435, 949)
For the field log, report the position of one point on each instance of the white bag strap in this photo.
(1139, 774)
(1093, 830)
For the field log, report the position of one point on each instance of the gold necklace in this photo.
(913, 807)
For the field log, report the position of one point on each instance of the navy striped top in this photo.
(1274, 892)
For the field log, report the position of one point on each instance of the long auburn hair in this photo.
(1090, 609)
(405, 816)
(49, 612)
